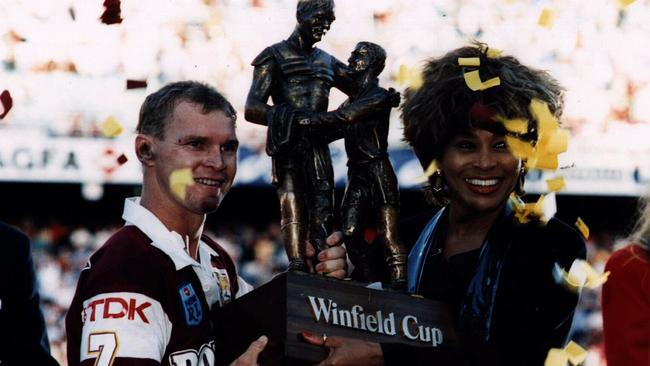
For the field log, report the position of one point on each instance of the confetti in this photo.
(473, 81)
(551, 140)
(122, 159)
(7, 103)
(547, 161)
(584, 229)
(111, 127)
(572, 353)
(410, 76)
(581, 274)
(490, 52)
(546, 18)
(555, 184)
(519, 148)
(516, 125)
(112, 12)
(179, 180)
(431, 169)
(135, 84)
(527, 212)
(625, 3)
(493, 53)
(556, 357)
(576, 353)
(469, 61)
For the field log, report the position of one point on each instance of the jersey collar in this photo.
(170, 242)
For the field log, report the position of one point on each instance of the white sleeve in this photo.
(244, 287)
(124, 324)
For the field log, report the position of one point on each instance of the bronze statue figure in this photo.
(372, 188)
(298, 77)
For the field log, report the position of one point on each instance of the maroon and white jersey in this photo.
(142, 300)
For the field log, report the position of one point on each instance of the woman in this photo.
(626, 298)
(495, 273)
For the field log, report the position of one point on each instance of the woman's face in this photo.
(479, 171)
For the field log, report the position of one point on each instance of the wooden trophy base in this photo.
(294, 302)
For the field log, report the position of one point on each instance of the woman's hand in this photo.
(347, 351)
(333, 260)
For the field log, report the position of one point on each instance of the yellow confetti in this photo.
(551, 141)
(625, 3)
(527, 212)
(431, 169)
(556, 357)
(584, 229)
(555, 184)
(572, 353)
(576, 353)
(410, 76)
(556, 142)
(111, 127)
(548, 161)
(593, 278)
(519, 148)
(543, 115)
(469, 61)
(546, 18)
(493, 53)
(581, 274)
(473, 81)
(179, 180)
(517, 125)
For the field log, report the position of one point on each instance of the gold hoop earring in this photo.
(438, 184)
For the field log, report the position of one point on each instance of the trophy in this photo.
(298, 77)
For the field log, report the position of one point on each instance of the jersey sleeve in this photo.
(118, 314)
(120, 327)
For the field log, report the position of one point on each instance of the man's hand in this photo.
(347, 351)
(249, 358)
(332, 260)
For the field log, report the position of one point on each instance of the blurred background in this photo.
(66, 72)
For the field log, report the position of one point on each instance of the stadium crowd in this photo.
(595, 49)
(62, 250)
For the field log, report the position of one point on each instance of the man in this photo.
(23, 337)
(372, 185)
(298, 77)
(145, 297)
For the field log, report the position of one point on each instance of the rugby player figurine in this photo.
(372, 190)
(298, 77)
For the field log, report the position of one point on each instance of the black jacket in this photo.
(23, 337)
(530, 312)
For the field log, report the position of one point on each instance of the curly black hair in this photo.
(443, 106)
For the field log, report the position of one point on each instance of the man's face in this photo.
(315, 24)
(359, 61)
(205, 143)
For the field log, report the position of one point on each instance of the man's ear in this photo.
(144, 149)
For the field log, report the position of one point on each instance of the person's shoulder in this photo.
(11, 234)
(630, 256)
(564, 236)
(14, 244)
(128, 246)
